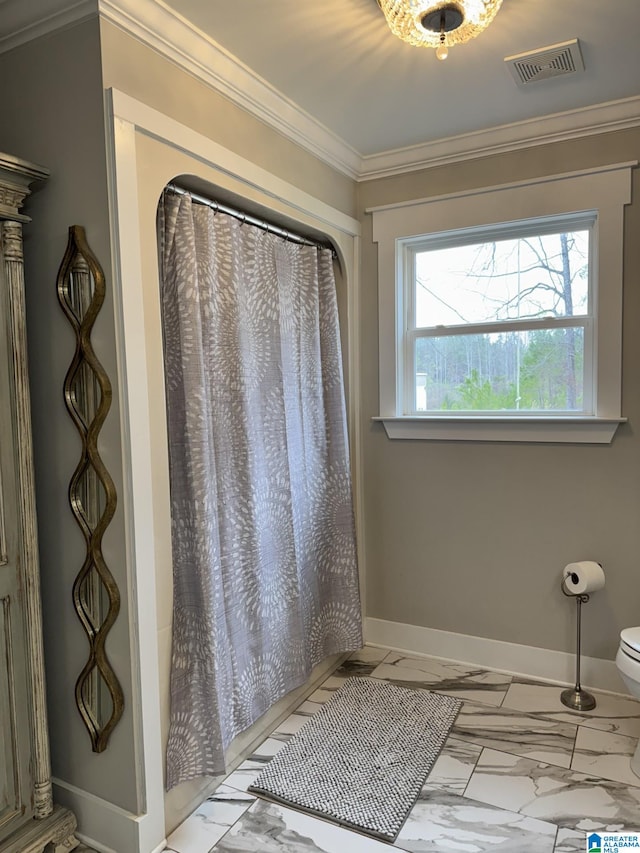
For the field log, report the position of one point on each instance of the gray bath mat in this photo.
(362, 759)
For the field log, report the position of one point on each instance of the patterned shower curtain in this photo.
(264, 556)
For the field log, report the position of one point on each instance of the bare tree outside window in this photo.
(500, 325)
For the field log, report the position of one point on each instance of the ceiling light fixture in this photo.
(425, 23)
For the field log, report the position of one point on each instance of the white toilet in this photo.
(628, 663)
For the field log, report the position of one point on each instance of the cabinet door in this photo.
(15, 781)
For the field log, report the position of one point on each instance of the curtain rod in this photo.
(292, 237)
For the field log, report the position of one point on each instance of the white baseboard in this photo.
(512, 658)
(117, 829)
(99, 848)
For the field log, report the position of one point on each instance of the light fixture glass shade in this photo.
(406, 20)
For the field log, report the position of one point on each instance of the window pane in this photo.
(539, 370)
(544, 276)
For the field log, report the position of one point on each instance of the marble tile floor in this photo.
(519, 773)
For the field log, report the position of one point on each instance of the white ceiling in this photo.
(332, 76)
(340, 63)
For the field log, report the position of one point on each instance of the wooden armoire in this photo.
(29, 820)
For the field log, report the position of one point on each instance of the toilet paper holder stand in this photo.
(575, 697)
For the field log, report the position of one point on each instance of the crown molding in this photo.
(558, 127)
(23, 22)
(158, 26)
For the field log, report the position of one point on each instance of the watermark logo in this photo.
(612, 842)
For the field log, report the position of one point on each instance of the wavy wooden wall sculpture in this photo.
(92, 494)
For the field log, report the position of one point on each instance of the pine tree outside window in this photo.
(499, 323)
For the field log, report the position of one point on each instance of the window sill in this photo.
(570, 430)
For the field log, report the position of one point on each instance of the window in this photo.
(501, 311)
(500, 321)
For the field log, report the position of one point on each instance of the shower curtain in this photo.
(263, 543)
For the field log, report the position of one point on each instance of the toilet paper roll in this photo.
(583, 577)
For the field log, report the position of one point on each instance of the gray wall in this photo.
(53, 115)
(472, 537)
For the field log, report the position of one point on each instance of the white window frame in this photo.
(602, 193)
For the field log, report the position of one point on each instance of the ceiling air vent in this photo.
(554, 61)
